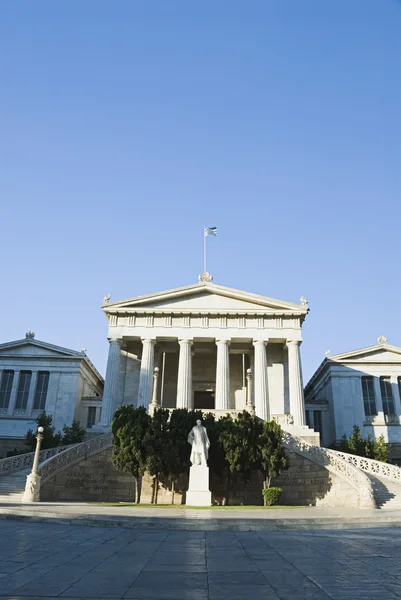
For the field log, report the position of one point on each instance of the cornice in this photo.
(368, 350)
(109, 310)
(40, 344)
(63, 354)
(212, 288)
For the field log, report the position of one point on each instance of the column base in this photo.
(198, 493)
(32, 489)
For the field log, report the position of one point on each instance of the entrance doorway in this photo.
(204, 400)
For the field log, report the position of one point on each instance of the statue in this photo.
(199, 441)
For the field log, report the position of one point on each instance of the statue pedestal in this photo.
(198, 493)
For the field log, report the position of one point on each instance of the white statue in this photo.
(199, 441)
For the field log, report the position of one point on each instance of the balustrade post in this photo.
(32, 486)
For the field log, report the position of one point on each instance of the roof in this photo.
(60, 351)
(199, 289)
(357, 357)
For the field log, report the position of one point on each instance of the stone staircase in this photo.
(12, 486)
(387, 493)
(385, 478)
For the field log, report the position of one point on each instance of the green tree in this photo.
(217, 460)
(51, 439)
(157, 448)
(271, 458)
(130, 442)
(380, 449)
(75, 434)
(177, 451)
(238, 440)
(368, 447)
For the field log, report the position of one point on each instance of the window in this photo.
(91, 420)
(5, 388)
(23, 389)
(368, 396)
(317, 418)
(41, 390)
(387, 396)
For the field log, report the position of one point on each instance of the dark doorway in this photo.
(204, 400)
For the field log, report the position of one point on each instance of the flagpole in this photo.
(204, 249)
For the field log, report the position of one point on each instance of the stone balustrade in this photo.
(25, 461)
(337, 464)
(368, 465)
(72, 455)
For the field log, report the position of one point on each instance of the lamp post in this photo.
(32, 486)
(154, 404)
(249, 405)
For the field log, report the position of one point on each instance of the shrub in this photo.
(75, 434)
(50, 439)
(368, 447)
(271, 495)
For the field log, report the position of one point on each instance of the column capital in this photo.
(115, 340)
(260, 342)
(148, 341)
(224, 342)
(293, 343)
(182, 341)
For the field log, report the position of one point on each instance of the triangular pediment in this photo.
(381, 353)
(37, 349)
(205, 297)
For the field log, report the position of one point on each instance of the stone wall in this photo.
(306, 483)
(96, 479)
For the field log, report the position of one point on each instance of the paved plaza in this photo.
(40, 560)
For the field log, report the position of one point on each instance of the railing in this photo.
(382, 419)
(25, 461)
(373, 467)
(72, 455)
(337, 464)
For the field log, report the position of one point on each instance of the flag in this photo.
(210, 231)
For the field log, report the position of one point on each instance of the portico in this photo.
(204, 338)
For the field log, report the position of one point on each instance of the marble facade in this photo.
(203, 339)
(36, 376)
(361, 387)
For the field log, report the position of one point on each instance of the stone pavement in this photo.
(41, 560)
(182, 518)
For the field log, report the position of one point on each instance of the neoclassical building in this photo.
(361, 387)
(36, 376)
(208, 343)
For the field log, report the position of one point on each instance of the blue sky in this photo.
(125, 127)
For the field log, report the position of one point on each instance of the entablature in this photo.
(210, 320)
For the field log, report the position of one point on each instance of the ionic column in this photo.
(109, 400)
(13, 395)
(297, 403)
(146, 373)
(222, 375)
(184, 384)
(261, 390)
